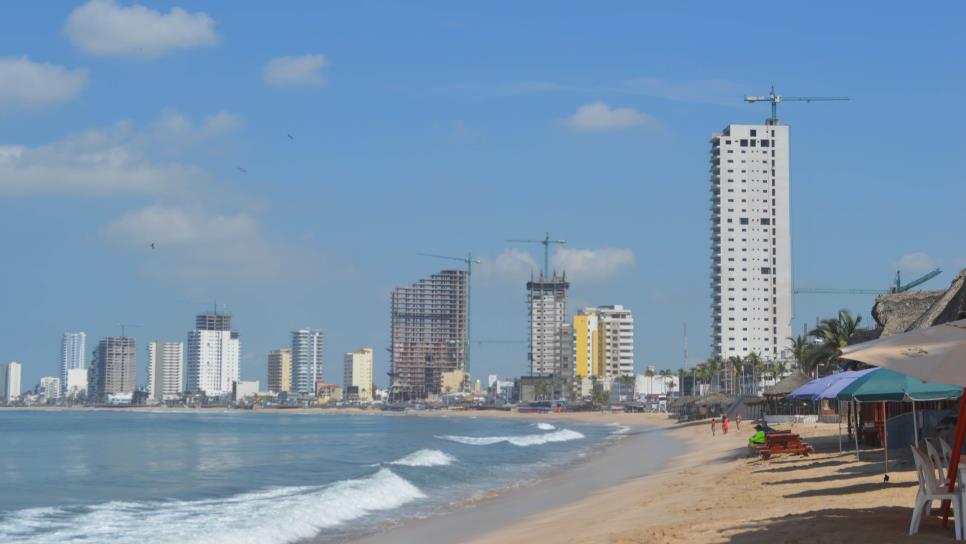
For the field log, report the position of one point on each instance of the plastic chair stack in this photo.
(933, 489)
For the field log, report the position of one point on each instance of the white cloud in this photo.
(191, 244)
(592, 265)
(710, 91)
(917, 262)
(598, 116)
(96, 162)
(28, 84)
(176, 128)
(510, 266)
(104, 28)
(296, 70)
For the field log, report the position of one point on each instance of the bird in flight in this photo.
(290, 137)
(242, 170)
(152, 245)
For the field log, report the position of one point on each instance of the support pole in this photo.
(857, 431)
(839, 410)
(957, 451)
(915, 425)
(885, 440)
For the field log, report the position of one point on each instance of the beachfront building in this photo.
(280, 370)
(604, 342)
(49, 388)
(306, 362)
(10, 382)
(113, 369)
(72, 349)
(213, 356)
(547, 302)
(165, 370)
(76, 384)
(428, 333)
(751, 292)
(357, 375)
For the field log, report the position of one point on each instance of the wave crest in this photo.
(545, 426)
(275, 516)
(562, 435)
(425, 458)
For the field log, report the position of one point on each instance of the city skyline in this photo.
(450, 151)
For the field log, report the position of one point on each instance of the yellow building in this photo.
(280, 370)
(452, 381)
(586, 348)
(357, 373)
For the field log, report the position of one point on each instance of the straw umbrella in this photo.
(937, 354)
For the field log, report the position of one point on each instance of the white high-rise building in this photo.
(306, 361)
(76, 383)
(165, 370)
(72, 355)
(547, 300)
(10, 381)
(50, 388)
(616, 340)
(213, 356)
(751, 263)
(357, 375)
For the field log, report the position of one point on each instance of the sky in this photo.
(290, 160)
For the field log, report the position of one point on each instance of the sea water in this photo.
(266, 478)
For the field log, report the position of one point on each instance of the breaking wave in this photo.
(274, 516)
(545, 427)
(425, 458)
(562, 435)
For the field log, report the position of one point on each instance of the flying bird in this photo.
(152, 245)
(290, 137)
(242, 170)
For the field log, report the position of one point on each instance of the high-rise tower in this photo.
(306, 361)
(213, 355)
(71, 354)
(751, 263)
(547, 301)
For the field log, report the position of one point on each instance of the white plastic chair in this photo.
(931, 490)
(946, 449)
(938, 463)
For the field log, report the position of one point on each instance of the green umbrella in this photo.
(888, 385)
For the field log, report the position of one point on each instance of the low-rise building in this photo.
(328, 392)
(49, 388)
(242, 390)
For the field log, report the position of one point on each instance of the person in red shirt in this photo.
(724, 424)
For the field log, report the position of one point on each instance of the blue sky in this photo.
(444, 128)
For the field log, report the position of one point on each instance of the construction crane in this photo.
(776, 99)
(898, 287)
(125, 326)
(546, 249)
(469, 261)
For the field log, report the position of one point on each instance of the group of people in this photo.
(724, 424)
(754, 440)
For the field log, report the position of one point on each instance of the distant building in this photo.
(586, 330)
(328, 392)
(76, 383)
(280, 370)
(306, 361)
(72, 352)
(604, 342)
(244, 389)
(491, 380)
(49, 388)
(566, 358)
(10, 382)
(751, 263)
(113, 369)
(547, 300)
(452, 381)
(428, 333)
(357, 375)
(165, 370)
(213, 356)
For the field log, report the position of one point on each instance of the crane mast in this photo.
(776, 99)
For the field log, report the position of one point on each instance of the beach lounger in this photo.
(783, 442)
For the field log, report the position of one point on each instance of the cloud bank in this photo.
(295, 71)
(599, 117)
(28, 84)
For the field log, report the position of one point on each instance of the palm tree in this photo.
(833, 335)
(801, 349)
(649, 373)
(737, 363)
(714, 373)
(754, 361)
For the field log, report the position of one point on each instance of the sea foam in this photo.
(562, 435)
(545, 427)
(425, 458)
(273, 516)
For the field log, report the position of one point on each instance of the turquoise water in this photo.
(135, 477)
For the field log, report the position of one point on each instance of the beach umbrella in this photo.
(936, 354)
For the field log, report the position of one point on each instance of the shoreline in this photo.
(467, 520)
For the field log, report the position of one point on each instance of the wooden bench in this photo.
(782, 442)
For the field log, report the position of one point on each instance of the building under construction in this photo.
(428, 328)
(547, 302)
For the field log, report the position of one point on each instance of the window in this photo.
(743, 220)
(744, 143)
(765, 143)
(754, 133)
(766, 221)
(766, 270)
(753, 142)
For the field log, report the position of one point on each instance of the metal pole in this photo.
(840, 424)
(915, 425)
(885, 439)
(857, 458)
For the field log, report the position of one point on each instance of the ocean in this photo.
(266, 478)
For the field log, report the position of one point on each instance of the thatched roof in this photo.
(788, 384)
(903, 312)
(714, 398)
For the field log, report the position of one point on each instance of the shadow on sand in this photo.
(881, 524)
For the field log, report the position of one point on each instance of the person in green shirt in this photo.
(757, 438)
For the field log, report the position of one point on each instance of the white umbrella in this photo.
(935, 354)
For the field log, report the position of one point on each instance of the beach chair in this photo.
(946, 449)
(932, 490)
(937, 461)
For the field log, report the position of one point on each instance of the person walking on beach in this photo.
(714, 425)
(724, 424)
(738, 421)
